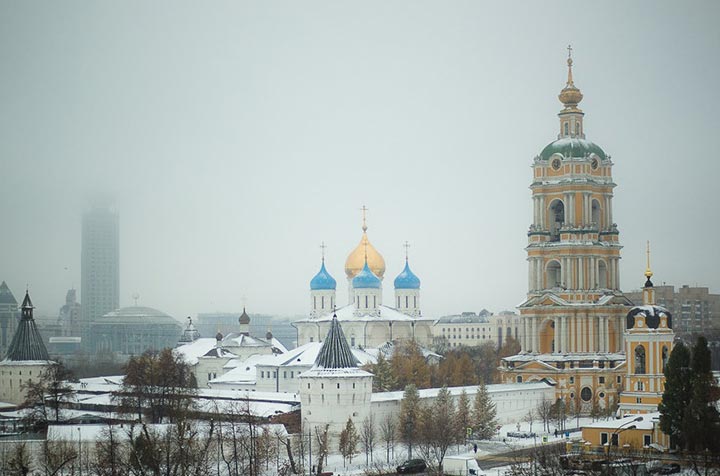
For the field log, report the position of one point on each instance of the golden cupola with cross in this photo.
(363, 253)
(573, 315)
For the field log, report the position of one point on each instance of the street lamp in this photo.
(79, 452)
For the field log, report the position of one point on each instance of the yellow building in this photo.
(648, 343)
(572, 319)
(630, 434)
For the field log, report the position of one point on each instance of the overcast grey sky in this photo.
(236, 136)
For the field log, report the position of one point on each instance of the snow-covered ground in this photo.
(499, 444)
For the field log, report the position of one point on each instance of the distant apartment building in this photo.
(694, 309)
(471, 329)
(100, 267)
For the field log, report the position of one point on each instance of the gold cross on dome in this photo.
(322, 247)
(364, 210)
(569, 48)
(406, 245)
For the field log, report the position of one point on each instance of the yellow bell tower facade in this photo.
(648, 342)
(572, 319)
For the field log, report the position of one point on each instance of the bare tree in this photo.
(20, 460)
(286, 441)
(388, 433)
(530, 418)
(56, 456)
(368, 437)
(323, 447)
(159, 386)
(544, 412)
(110, 454)
(45, 395)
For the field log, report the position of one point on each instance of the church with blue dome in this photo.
(367, 321)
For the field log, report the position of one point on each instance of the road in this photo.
(515, 456)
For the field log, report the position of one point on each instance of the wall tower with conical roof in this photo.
(334, 389)
(26, 359)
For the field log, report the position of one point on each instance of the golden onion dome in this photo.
(570, 95)
(356, 259)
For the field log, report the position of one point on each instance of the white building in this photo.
(369, 319)
(470, 329)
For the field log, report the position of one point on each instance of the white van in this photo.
(461, 466)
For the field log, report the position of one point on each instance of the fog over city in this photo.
(234, 137)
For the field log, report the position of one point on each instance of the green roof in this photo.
(572, 147)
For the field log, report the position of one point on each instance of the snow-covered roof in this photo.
(470, 390)
(191, 351)
(629, 420)
(300, 358)
(347, 313)
(388, 349)
(573, 357)
(236, 339)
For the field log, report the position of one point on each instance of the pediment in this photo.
(536, 365)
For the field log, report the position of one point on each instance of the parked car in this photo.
(412, 466)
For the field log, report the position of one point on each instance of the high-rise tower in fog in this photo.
(100, 265)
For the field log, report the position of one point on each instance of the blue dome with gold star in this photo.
(366, 279)
(407, 279)
(322, 280)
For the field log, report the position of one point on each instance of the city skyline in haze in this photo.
(235, 138)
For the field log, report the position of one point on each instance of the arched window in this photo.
(595, 213)
(567, 129)
(554, 274)
(577, 128)
(664, 357)
(639, 359)
(602, 274)
(314, 302)
(557, 218)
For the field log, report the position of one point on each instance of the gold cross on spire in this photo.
(406, 245)
(570, 63)
(648, 271)
(364, 225)
(322, 248)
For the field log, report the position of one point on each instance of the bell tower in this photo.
(648, 342)
(573, 248)
(572, 318)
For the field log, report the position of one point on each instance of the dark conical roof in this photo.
(27, 344)
(335, 352)
(6, 296)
